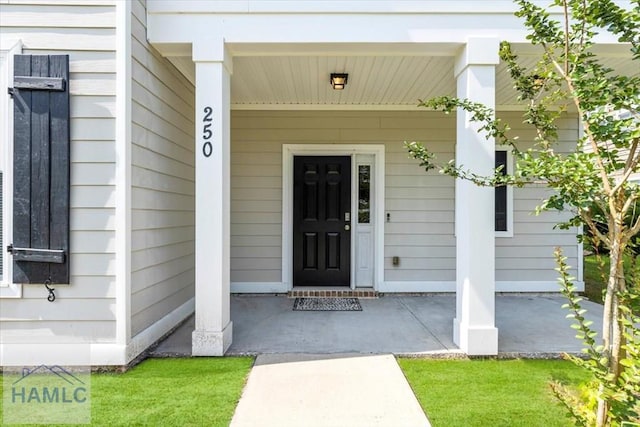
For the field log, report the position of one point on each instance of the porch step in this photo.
(324, 293)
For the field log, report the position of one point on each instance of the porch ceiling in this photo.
(279, 80)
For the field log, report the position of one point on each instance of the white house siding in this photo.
(83, 311)
(528, 255)
(162, 241)
(421, 205)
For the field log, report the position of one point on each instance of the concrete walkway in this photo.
(337, 368)
(327, 391)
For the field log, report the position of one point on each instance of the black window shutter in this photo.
(501, 194)
(41, 169)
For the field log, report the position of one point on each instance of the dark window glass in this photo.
(364, 199)
(501, 194)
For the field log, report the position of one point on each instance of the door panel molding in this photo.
(321, 238)
(378, 153)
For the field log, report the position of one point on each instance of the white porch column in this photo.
(474, 328)
(213, 328)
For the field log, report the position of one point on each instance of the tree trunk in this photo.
(611, 325)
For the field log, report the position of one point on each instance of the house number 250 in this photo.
(207, 147)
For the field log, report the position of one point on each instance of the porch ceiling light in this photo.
(338, 80)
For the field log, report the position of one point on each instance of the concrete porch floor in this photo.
(529, 325)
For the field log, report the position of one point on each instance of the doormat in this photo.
(327, 304)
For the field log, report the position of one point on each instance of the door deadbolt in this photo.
(347, 216)
(347, 227)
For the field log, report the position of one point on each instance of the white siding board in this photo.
(255, 229)
(250, 171)
(149, 139)
(152, 219)
(84, 287)
(150, 257)
(152, 275)
(64, 310)
(430, 251)
(143, 319)
(256, 206)
(143, 198)
(57, 331)
(153, 180)
(147, 297)
(398, 274)
(150, 120)
(93, 264)
(95, 242)
(146, 157)
(252, 194)
(67, 39)
(254, 251)
(60, 2)
(92, 106)
(256, 264)
(160, 238)
(252, 182)
(266, 242)
(93, 173)
(92, 84)
(168, 103)
(88, 196)
(84, 61)
(95, 129)
(92, 219)
(422, 263)
(257, 218)
(93, 152)
(163, 233)
(256, 276)
(545, 275)
(438, 217)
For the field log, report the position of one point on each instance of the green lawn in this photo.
(490, 392)
(594, 283)
(170, 392)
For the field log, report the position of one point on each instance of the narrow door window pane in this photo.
(364, 199)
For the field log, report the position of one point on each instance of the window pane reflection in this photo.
(364, 199)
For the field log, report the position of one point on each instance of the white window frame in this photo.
(509, 171)
(8, 49)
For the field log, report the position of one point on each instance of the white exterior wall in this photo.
(420, 204)
(528, 255)
(84, 311)
(162, 179)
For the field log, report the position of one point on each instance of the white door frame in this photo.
(377, 150)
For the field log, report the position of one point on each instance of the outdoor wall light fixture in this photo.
(338, 80)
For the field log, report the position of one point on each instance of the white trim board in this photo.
(8, 49)
(259, 288)
(409, 287)
(70, 354)
(103, 354)
(288, 153)
(123, 173)
(153, 333)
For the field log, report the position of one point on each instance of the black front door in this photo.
(321, 220)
